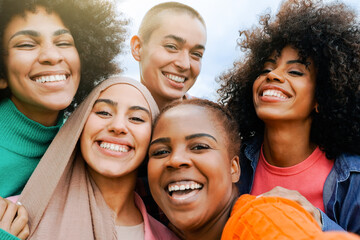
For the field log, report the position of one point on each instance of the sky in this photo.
(223, 18)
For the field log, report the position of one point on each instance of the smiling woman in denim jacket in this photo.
(296, 97)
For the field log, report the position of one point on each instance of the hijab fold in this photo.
(62, 200)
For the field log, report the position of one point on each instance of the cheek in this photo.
(154, 172)
(74, 59)
(196, 67)
(256, 85)
(142, 136)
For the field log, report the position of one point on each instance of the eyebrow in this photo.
(37, 34)
(140, 108)
(160, 140)
(105, 100)
(192, 136)
(112, 103)
(199, 135)
(288, 62)
(183, 41)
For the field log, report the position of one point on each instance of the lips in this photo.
(46, 77)
(51, 78)
(175, 78)
(274, 92)
(115, 147)
(183, 189)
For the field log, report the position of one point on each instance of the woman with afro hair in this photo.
(296, 98)
(53, 52)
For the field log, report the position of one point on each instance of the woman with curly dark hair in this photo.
(53, 52)
(296, 97)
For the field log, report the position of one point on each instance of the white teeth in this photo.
(182, 187)
(51, 78)
(114, 147)
(274, 93)
(176, 78)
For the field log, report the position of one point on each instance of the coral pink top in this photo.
(307, 177)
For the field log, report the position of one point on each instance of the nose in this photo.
(118, 126)
(178, 159)
(50, 55)
(182, 60)
(275, 76)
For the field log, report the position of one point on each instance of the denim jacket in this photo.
(341, 193)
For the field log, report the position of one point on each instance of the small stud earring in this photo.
(317, 108)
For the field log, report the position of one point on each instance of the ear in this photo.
(235, 169)
(135, 44)
(3, 83)
(316, 107)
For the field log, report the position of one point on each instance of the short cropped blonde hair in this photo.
(151, 19)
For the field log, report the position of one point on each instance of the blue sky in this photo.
(224, 19)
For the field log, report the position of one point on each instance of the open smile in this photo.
(46, 77)
(175, 78)
(182, 190)
(114, 147)
(274, 93)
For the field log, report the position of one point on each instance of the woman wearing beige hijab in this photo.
(83, 187)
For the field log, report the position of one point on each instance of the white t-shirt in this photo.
(136, 232)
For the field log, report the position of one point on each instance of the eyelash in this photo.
(64, 44)
(296, 73)
(198, 55)
(159, 153)
(171, 46)
(200, 146)
(137, 119)
(25, 45)
(103, 113)
(290, 72)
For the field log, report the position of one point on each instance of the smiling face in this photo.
(117, 133)
(286, 88)
(170, 60)
(42, 63)
(190, 172)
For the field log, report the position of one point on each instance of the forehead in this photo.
(180, 24)
(40, 20)
(189, 119)
(124, 94)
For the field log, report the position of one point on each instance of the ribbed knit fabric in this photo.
(275, 218)
(22, 143)
(7, 236)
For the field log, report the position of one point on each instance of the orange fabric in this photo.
(266, 218)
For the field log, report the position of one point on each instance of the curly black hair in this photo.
(99, 32)
(329, 34)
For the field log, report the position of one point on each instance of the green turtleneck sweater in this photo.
(22, 144)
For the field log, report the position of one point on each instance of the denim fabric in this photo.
(341, 193)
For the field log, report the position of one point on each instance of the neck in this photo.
(118, 194)
(214, 228)
(161, 101)
(45, 117)
(287, 144)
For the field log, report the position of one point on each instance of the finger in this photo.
(8, 216)
(24, 232)
(19, 222)
(3, 206)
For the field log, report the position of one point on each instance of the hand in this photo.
(14, 219)
(297, 197)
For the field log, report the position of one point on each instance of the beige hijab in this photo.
(61, 199)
